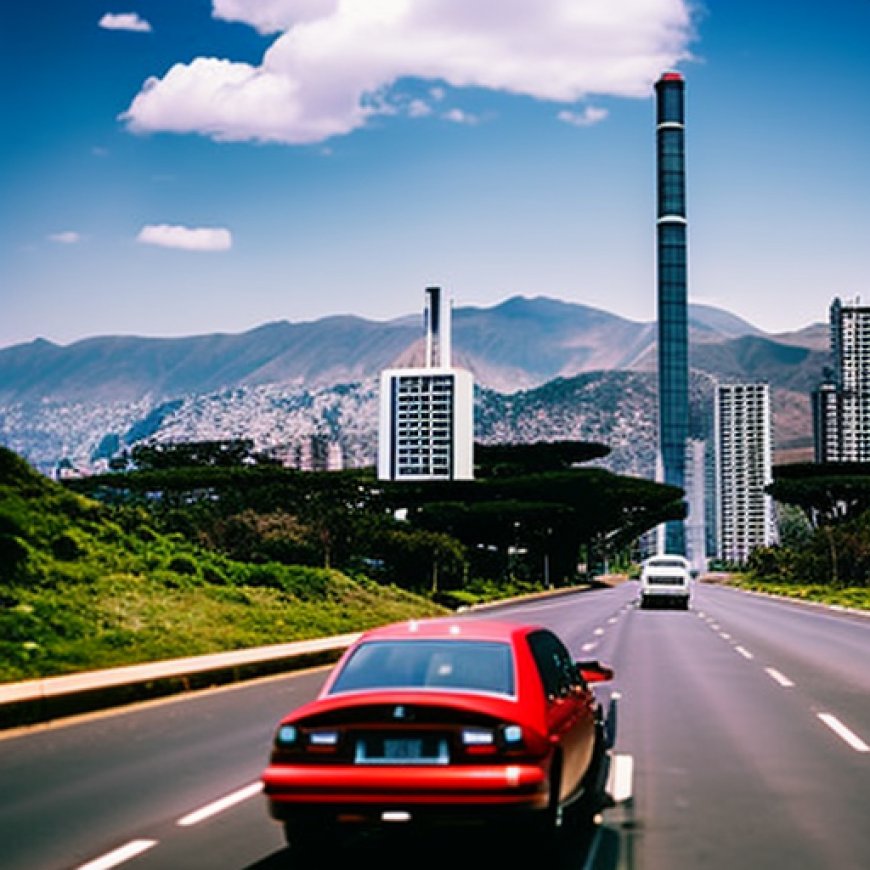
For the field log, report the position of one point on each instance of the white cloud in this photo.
(125, 21)
(458, 116)
(186, 238)
(272, 16)
(337, 63)
(590, 116)
(68, 237)
(419, 109)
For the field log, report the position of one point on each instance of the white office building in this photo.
(426, 429)
(745, 513)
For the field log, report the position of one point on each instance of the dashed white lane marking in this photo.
(119, 855)
(620, 777)
(782, 679)
(220, 805)
(843, 732)
(598, 632)
(588, 647)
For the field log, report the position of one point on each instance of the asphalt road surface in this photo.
(743, 733)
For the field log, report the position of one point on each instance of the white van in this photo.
(665, 580)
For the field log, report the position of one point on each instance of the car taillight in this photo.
(287, 736)
(323, 740)
(291, 741)
(512, 736)
(502, 740)
(478, 741)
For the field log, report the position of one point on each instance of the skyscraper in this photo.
(673, 336)
(841, 405)
(743, 469)
(426, 427)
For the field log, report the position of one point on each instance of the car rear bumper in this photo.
(665, 597)
(430, 791)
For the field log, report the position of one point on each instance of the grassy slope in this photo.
(84, 587)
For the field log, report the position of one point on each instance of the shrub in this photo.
(183, 564)
(263, 575)
(66, 548)
(13, 555)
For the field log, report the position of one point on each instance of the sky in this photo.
(181, 167)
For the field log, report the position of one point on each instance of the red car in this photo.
(443, 721)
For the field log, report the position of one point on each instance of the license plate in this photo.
(402, 750)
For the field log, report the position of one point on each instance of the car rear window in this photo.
(454, 665)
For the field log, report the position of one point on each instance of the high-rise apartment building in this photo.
(841, 405)
(426, 427)
(673, 336)
(745, 513)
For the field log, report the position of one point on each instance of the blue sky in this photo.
(178, 167)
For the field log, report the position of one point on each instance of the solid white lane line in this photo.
(843, 732)
(220, 805)
(620, 777)
(744, 652)
(782, 679)
(119, 855)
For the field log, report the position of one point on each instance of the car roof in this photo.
(449, 628)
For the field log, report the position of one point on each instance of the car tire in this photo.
(581, 816)
(539, 834)
(309, 839)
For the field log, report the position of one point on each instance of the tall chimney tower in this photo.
(673, 333)
(438, 330)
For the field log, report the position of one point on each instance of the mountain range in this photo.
(66, 401)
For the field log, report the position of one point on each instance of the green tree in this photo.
(833, 497)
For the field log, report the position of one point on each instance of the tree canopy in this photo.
(532, 510)
(828, 493)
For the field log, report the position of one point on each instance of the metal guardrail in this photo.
(40, 700)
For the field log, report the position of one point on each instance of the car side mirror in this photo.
(595, 672)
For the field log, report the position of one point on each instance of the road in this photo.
(745, 721)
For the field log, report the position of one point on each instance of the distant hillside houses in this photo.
(545, 369)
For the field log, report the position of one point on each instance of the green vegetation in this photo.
(84, 585)
(531, 515)
(824, 549)
(199, 548)
(856, 598)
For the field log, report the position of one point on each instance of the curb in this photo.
(42, 700)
